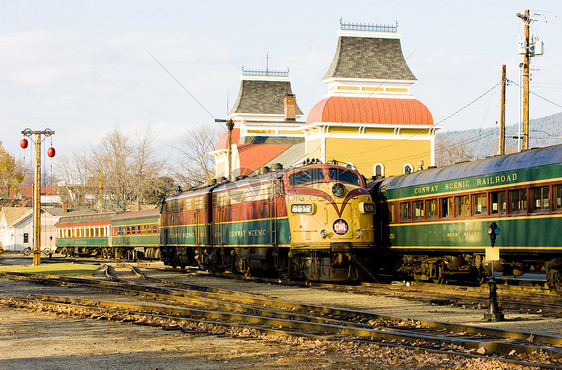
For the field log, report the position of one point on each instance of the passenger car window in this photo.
(418, 210)
(447, 207)
(432, 210)
(498, 202)
(518, 201)
(540, 199)
(461, 206)
(479, 204)
(304, 176)
(557, 204)
(405, 211)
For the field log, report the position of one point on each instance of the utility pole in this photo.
(526, 60)
(502, 113)
(37, 189)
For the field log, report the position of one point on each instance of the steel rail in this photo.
(428, 324)
(491, 346)
(456, 328)
(293, 333)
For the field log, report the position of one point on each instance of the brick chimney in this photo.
(290, 106)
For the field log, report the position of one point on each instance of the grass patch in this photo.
(61, 269)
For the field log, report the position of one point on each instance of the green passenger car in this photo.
(136, 234)
(436, 221)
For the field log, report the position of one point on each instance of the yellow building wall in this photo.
(313, 148)
(392, 154)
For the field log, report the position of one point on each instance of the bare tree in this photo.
(196, 165)
(129, 168)
(77, 182)
(449, 151)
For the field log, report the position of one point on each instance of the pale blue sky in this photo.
(82, 67)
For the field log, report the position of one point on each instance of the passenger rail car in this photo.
(436, 221)
(129, 235)
(135, 235)
(313, 222)
(83, 235)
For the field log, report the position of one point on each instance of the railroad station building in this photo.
(369, 118)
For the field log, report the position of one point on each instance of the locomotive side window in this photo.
(479, 205)
(518, 201)
(345, 176)
(498, 202)
(447, 207)
(557, 193)
(432, 210)
(418, 210)
(540, 199)
(304, 176)
(461, 206)
(405, 211)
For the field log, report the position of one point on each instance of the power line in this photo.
(179, 83)
(539, 96)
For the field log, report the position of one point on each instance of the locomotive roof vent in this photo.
(264, 170)
(430, 167)
(240, 177)
(277, 167)
(213, 181)
(221, 179)
(420, 165)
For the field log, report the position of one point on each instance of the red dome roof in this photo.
(343, 109)
(223, 140)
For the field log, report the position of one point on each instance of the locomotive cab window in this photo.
(557, 194)
(498, 203)
(345, 176)
(306, 176)
(540, 199)
(479, 205)
(447, 207)
(518, 201)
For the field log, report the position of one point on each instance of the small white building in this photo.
(16, 228)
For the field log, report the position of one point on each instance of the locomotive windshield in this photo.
(345, 176)
(304, 176)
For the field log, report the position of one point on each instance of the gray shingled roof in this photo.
(262, 97)
(364, 57)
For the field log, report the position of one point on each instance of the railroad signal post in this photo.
(37, 189)
(494, 313)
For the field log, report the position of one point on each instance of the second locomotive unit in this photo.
(313, 222)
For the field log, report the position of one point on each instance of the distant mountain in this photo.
(478, 144)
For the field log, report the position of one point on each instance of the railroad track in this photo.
(523, 299)
(191, 304)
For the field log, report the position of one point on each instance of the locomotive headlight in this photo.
(338, 189)
(323, 233)
(302, 208)
(359, 233)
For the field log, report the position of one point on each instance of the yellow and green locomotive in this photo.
(313, 222)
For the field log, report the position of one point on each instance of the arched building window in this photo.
(408, 168)
(378, 170)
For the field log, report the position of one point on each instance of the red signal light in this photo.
(51, 152)
(24, 143)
